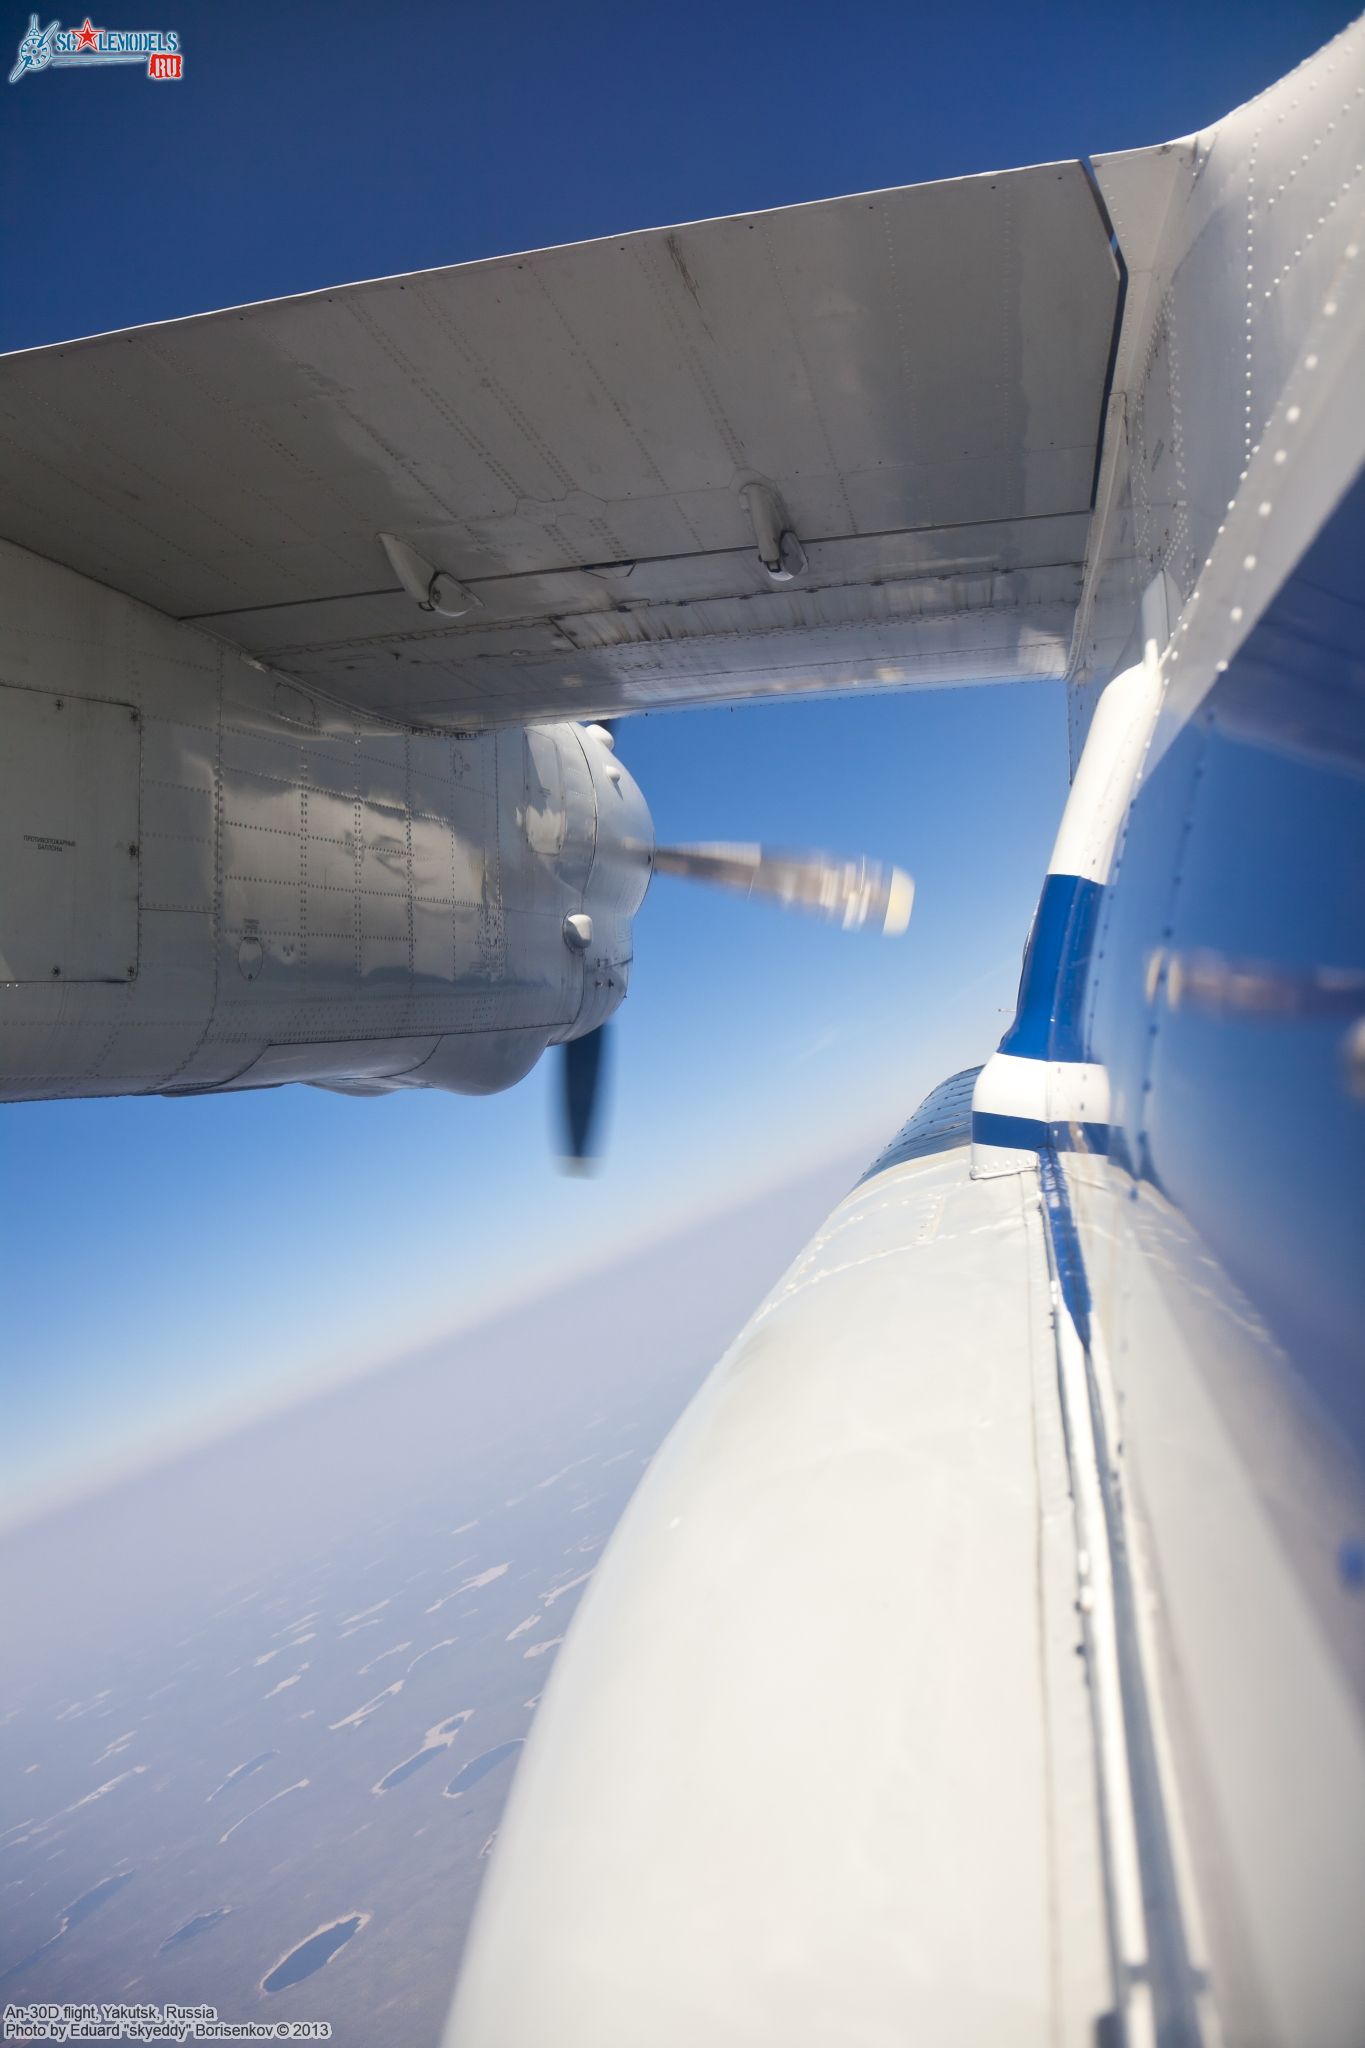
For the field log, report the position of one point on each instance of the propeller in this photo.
(852, 893)
(583, 1071)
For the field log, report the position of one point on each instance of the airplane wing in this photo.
(893, 399)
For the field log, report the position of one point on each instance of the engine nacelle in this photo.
(216, 879)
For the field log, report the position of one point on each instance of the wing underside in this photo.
(913, 379)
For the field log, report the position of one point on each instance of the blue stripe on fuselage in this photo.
(1047, 1023)
(1030, 1134)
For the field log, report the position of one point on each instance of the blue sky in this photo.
(166, 1263)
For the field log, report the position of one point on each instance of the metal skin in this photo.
(981, 1659)
(590, 447)
(317, 894)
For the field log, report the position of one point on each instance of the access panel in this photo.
(68, 838)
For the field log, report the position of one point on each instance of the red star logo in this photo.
(87, 39)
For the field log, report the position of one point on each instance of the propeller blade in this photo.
(852, 893)
(584, 1070)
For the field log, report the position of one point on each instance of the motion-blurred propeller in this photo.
(583, 1072)
(852, 893)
